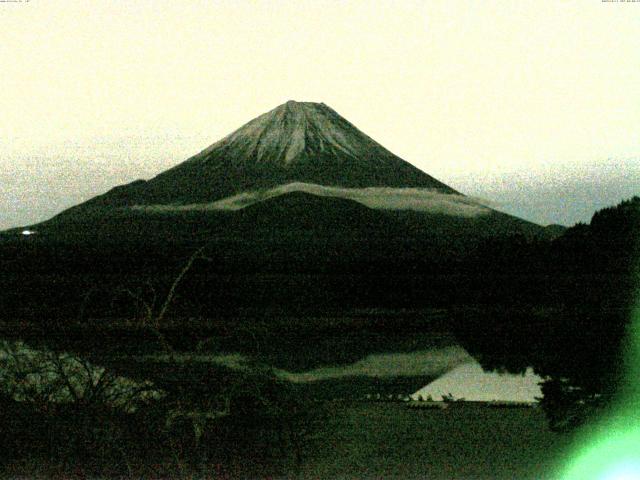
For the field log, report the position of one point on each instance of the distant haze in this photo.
(532, 105)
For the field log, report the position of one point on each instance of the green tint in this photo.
(633, 356)
(614, 456)
(611, 450)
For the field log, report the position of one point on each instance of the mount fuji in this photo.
(327, 247)
(295, 142)
(300, 165)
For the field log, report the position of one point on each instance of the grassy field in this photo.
(389, 440)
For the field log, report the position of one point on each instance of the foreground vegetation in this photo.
(325, 440)
(561, 307)
(250, 427)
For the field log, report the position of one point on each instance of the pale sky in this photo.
(531, 104)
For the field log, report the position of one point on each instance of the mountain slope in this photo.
(295, 142)
(329, 177)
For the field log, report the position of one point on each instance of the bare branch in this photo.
(196, 255)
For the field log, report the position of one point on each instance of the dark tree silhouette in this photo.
(569, 319)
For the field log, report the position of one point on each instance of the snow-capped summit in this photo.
(306, 134)
(295, 142)
(303, 162)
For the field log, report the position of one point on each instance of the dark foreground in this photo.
(344, 440)
(463, 443)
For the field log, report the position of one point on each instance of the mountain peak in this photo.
(308, 135)
(311, 109)
(298, 103)
(305, 142)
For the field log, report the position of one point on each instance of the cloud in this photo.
(384, 198)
